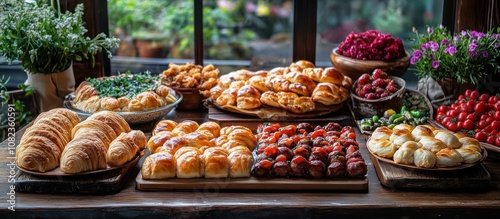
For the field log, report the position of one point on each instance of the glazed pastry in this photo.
(259, 82)
(270, 98)
(158, 140)
(164, 125)
(381, 132)
(125, 147)
(278, 83)
(115, 121)
(404, 155)
(448, 157)
(189, 162)
(198, 140)
(229, 129)
(210, 129)
(185, 127)
(327, 93)
(400, 136)
(424, 158)
(173, 144)
(216, 163)
(300, 65)
(161, 165)
(38, 153)
(332, 75)
(300, 83)
(449, 139)
(227, 97)
(381, 147)
(83, 155)
(91, 128)
(297, 105)
(240, 161)
(228, 144)
(244, 136)
(432, 144)
(248, 97)
(420, 131)
(403, 126)
(469, 155)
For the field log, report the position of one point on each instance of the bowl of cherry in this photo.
(364, 52)
(374, 94)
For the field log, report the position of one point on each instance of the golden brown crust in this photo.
(164, 125)
(161, 165)
(125, 147)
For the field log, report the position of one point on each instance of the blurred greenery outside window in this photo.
(254, 34)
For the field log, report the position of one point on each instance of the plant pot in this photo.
(51, 89)
(442, 91)
(150, 48)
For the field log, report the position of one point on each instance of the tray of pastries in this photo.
(138, 98)
(188, 155)
(425, 147)
(300, 90)
(59, 144)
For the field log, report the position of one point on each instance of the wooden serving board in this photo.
(253, 183)
(476, 177)
(225, 118)
(104, 183)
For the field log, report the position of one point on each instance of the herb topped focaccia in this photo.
(122, 93)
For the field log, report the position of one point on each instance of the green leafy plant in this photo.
(467, 56)
(44, 39)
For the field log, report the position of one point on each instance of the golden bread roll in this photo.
(432, 144)
(161, 165)
(198, 140)
(469, 155)
(245, 136)
(300, 83)
(229, 129)
(185, 127)
(448, 157)
(270, 98)
(449, 139)
(279, 71)
(411, 145)
(403, 126)
(331, 75)
(277, 83)
(313, 73)
(381, 147)
(227, 97)
(237, 84)
(424, 158)
(248, 97)
(213, 93)
(210, 129)
(327, 94)
(301, 64)
(233, 143)
(164, 125)
(216, 163)
(219, 141)
(400, 136)
(470, 141)
(110, 103)
(158, 140)
(420, 131)
(240, 161)
(83, 155)
(404, 156)
(381, 132)
(125, 147)
(297, 105)
(173, 144)
(189, 162)
(259, 82)
(115, 121)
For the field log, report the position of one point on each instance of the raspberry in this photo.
(378, 73)
(379, 90)
(381, 83)
(371, 45)
(364, 79)
(368, 88)
(372, 96)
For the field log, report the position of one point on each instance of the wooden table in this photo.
(378, 202)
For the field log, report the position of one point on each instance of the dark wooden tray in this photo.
(475, 177)
(104, 183)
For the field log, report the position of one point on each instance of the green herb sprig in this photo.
(125, 85)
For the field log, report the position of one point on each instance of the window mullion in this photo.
(304, 30)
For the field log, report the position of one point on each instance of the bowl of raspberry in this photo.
(374, 94)
(364, 52)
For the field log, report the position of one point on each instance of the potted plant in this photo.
(448, 64)
(46, 41)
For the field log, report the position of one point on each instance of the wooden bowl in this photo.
(365, 108)
(192, 99)
(354, 67)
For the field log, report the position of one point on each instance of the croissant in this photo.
(449, 139)
(297, 105)
(38, 153)
(300, 65)
(240, 161)
(115, 121)
(327, 94)
(196, 139)
(248, 97)
(227, 97)
(277, 83)
(300, 83)
(244, 136)
(161, 165)
(270, 98)
(158, 140)
(279, 71)
(164, 125)
(216, 162)
(210, 129)
(448, 157)
(189, 162)
(72, 116)
(332, 75)
(184, 127)
(125, 147)
(83, 155)
(259, 82)
(94, 129)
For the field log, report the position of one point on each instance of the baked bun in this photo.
(411, 145)
(210, 129)
(198, 140)
(469, 155)
(259, 82)
(381, 132)
(468, 142)
(125, 147)
(327, 94)
(424, 158)
(185, 127)
(449, 139)
(297, 105)
(300, 83)
(159, 140)
(313, 73)
(400, 136)
(164, 125)
(240, 161)
(189, 162)
(216, 163)
(448, 157)
(248, 97)
(404, 155)
(432, 144)
(278, 83)
(227, 97)
(332, 75)
(270, 98)
(302, 64)
(161, 165)
(403, 126)
(420, 131)
(381, 147)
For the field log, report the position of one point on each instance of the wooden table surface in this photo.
(378, 202)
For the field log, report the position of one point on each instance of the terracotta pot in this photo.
(150, 49)
(51, 89)
(442, 91)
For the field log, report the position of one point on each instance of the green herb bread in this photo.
(123, 93)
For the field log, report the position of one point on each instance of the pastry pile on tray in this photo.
(59, 139)
(191, 150)
(296, 88)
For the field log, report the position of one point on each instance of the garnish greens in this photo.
(125, 85)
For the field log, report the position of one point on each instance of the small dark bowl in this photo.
(354, 67)
(364, 108)
(192, 99)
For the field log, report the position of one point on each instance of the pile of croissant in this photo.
(297, 88)
(190, 75)
(191, 150)
(424, 146)
(58, 138)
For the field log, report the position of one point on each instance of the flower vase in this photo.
(51, 89)
(442, 91)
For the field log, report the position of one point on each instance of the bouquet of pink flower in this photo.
(466, 56)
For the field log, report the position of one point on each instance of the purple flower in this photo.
(425, 46)
(456, 38)
(413, 60)
(435, 64)
(434, 46)
(472, 54)
(485, 54)
(463, 32)
(444, 41)
(472, 47)
(451, 49)
(417, 54)
(474, 41)
(429, 30)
